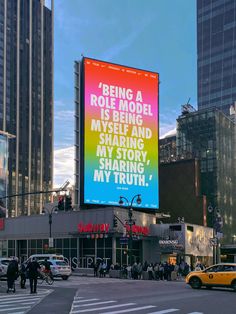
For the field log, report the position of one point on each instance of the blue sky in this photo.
(156, 35)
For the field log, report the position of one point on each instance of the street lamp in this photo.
(50, 211)
(216, 223)
(130, 221)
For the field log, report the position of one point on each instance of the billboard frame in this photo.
(80, 101)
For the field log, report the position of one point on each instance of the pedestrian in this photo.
(128, 268)
(23, 275)
(12, 274)
(150, 271)
(95, 269)
(33, 268)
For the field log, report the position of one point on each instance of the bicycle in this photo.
(45, 277)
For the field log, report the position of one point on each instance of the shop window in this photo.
(11, 244)
(100, 243)
(108, 254)
(59, 243)
(88, 252)
(66, 243)
(73, 243)
(73, 253)
(39, 244)
(11, 252)
(190, 228)
(32, 244)
(66, 253)
(100, 253)
(108, 242)
(175, 228)
(88, 243)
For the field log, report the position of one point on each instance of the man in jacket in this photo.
(33, 271)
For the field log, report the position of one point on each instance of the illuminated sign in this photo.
(168, 242)
(2, 223)
(3, 172)
(137, 229)
(119, 135)
(84, 228)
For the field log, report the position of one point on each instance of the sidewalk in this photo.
(91, 275)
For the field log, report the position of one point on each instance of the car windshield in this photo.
(61, 263)
(5, 262)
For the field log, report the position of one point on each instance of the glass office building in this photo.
(209, 135)
(26, 99)
(216, 50)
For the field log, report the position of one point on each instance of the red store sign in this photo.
(89, 228)
(138, 229)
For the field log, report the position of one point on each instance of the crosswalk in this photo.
(95, 305)
(21, 303)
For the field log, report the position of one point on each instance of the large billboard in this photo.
(3, 173)
(119, 129)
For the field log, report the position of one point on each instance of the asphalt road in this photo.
(114, 296)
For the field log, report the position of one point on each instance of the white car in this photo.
(4, 262)
(58, 268)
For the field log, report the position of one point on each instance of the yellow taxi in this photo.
(219, 275)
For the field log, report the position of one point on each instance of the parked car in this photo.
(219, 275)
(4, 262)
(59, 268)
(40, 257)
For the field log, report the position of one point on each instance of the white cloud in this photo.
(64, 165)
(167, 127)
(169, 133)
(64, 115)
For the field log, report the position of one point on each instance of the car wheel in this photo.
(195, 283)
(64, 277)
(233, 285)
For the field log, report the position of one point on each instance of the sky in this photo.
(154, 35)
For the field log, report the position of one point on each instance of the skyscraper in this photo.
(26, 99)
(216, 49)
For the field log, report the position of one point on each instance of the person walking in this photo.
(22, 275)
(12, 274)
(33, 268)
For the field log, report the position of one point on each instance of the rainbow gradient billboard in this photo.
(119, 134)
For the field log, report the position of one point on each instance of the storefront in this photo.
(183, 241)
(81, 236)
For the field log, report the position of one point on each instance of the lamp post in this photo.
(50, 210)
(216, 223)
(130, 220)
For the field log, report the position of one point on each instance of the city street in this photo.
(113, 296)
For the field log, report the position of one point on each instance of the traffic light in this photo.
(68, 205)
(115, 222)
(60, 205)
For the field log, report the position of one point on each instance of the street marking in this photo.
(165, 311)
(15, 308)
(17, 301)
(87, 300)
(196, 313)
(103, 308)
(131, 310)
(97, 303)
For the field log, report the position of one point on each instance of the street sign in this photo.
(213, 241)
(50, 242)
(124, 240)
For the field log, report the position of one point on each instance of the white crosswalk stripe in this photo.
(86, 305)
(94, 305)
(21, 303)
(165, 311)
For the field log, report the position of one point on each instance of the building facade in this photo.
(209, 135)
(216, 50)
(26, 99)
(87, 236)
